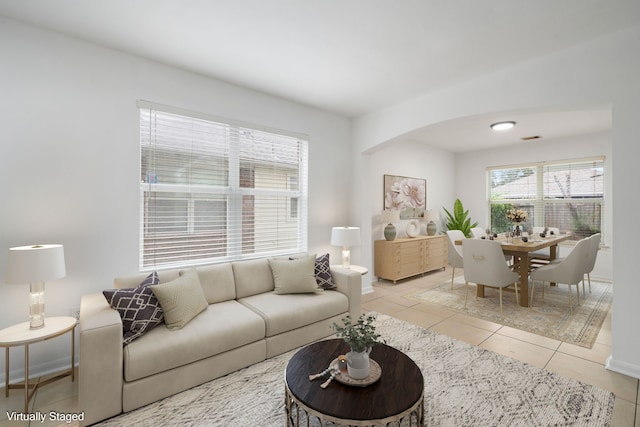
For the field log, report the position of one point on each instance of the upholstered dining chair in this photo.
(483, 263)
(569, 271)
(455, 251)
(594, 247)
(478, 232)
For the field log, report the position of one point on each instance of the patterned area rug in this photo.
(549, 316)
(464, 386)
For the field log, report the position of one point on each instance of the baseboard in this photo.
(40, 370)
(367, 288)
(622, 367)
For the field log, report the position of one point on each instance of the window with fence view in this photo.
(567, 195)
(213, 190)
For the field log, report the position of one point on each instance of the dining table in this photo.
(520, 251)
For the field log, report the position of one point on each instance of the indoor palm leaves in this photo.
(459, 219)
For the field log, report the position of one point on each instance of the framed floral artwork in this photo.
(407, 195)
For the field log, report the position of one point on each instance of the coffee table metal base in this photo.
(298, 414)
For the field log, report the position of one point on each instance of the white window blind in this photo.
(214, 190)
(568, 195)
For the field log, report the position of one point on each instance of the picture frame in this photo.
(405, 194)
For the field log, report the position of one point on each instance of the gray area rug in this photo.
(549, 316)
(464, 386)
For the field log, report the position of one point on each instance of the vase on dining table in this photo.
(517, 230)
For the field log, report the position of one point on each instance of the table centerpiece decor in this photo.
(360, 336)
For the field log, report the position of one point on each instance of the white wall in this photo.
(414, 160)
(601, 72)
(471, 179)
(69, 162)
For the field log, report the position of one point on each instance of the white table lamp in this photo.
(345, 237)
(35, 265)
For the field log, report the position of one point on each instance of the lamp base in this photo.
(431, 228)
(346, 258)
(390, 232)
(36, 305)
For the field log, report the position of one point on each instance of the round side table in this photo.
(360, 269)
(20, 334)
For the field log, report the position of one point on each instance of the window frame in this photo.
(541, 200)
(237, 238)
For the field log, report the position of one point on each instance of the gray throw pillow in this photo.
(138, 307)
(323, 272)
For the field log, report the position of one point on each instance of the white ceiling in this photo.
(350, 57)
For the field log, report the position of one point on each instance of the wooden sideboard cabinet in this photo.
(406, 257)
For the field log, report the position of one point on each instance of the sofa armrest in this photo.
(100, 371)
(349, 282)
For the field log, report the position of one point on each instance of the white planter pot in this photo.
(358, 364)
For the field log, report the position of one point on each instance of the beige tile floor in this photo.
(565, 359)
(572, 361)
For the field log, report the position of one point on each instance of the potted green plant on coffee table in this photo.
(360, 336)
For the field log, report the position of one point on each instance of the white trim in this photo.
(622, 368)
(141, 103)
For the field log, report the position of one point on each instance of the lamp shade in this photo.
(37, 263)
(345, 236)
(389, 216)
(432, 215)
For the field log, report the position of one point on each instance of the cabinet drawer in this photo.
(436, 262)
(409, 269)
(411, 253)
(436, 250)
(413, 258)
(410, 247)
(407, 257)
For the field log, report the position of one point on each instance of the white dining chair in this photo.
(594, 247)
(455, 251)
(478, 232)
(483, 263)
(569, 271)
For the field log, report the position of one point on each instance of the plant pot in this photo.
(358, 364)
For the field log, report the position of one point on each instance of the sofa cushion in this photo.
(181, 299)
(252, 277)
(217, 282)
(294, 276)
(282, 313)
(220, 328)
(139, 309)
(134, 281)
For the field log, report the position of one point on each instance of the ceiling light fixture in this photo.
(503, 125)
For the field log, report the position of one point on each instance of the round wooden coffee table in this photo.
(396, 396)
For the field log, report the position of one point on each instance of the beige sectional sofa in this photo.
(244, 323)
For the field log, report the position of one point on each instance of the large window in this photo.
(568, 195)
(213, 190)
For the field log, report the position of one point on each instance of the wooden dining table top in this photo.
(533, 244)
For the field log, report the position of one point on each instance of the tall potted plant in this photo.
(360, 336)
(459, 220)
